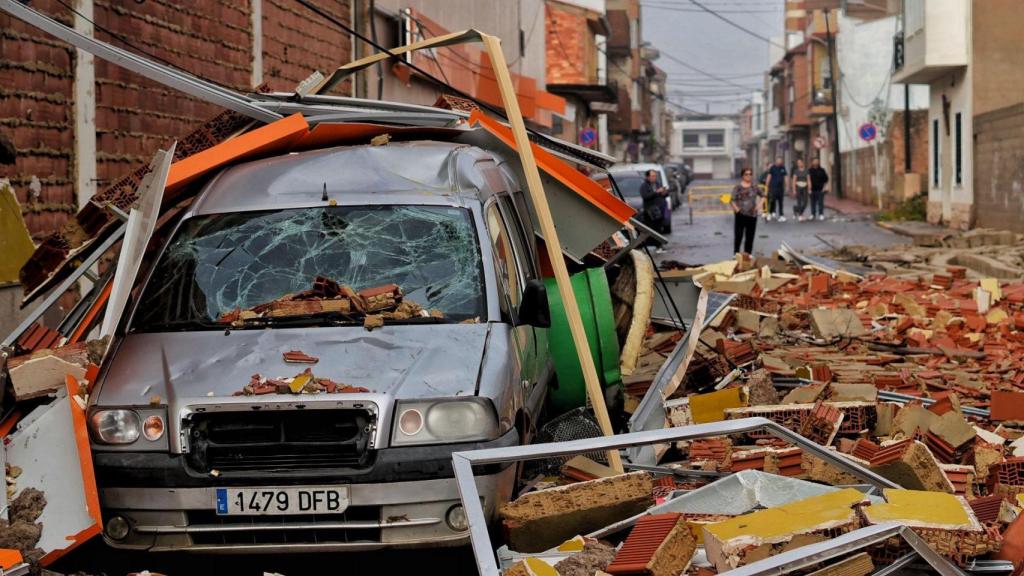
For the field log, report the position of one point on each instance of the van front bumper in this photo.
(173, 513)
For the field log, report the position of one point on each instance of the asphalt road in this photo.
(710, 237)
(95, 558)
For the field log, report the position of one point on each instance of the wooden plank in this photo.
(492, 45)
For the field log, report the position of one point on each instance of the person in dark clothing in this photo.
(656, 212)
(746, 197)
(801, 187)
(776, 184)
(819, 178)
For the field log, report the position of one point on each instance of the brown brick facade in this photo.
(135, 116)
(36, 108)
(999, 168)
(566, 46)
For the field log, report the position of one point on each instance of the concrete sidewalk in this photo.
(849, 207)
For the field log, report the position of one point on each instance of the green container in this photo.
(595, 303)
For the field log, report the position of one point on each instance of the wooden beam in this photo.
(492, 46)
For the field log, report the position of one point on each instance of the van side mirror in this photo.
(534, 310)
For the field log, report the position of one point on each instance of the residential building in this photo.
(576, 70)
(876, 170)
(80, 123)
(753, 131)
(967, 52)
(825, 44)
(465, 66)
(708, 146)
(630, 126)
(657, 146)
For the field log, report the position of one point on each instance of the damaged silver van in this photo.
(317, 335)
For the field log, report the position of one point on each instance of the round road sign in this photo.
(867, 131)
(588, 136)
(819, 142)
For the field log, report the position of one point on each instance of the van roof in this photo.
(420, 172)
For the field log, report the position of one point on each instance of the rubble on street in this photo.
(916, 376)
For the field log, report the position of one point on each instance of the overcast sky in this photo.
(680, 29)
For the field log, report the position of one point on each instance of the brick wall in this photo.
(36, 113)
(999, 168)
(135, 116)
(566, 45)
(297, 41)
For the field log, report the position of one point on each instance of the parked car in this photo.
(191, 448)
(682, 174)
(675, 194)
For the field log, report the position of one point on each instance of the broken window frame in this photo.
(463, 463)
(501, 237)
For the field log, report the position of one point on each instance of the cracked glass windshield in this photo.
(220, 264)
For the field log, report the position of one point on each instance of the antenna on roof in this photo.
(324, 197)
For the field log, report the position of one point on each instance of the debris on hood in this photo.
(299, 357)
(302, 383)
(327, 297)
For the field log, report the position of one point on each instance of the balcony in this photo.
(619, 43)
(935, 40)
(821, 102)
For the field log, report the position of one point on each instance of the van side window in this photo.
(520, 241)
(506, 267)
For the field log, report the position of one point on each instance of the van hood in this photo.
(405, 361)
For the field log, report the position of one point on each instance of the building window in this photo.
(691, 140)
(935, 153)
(959, 150)
(716, 139)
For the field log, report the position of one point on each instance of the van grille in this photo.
(279, 441)
(289, 533)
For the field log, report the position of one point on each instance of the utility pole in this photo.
(906, 128)
(837, 164)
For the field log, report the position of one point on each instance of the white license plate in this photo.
(271, 501)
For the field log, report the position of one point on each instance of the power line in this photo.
(699, 11)
(629, 75)
(702, 72)
(736, 25)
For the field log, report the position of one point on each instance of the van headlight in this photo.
(444, 421)
(116, 426)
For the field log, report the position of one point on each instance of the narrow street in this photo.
(709, 238)
(297, 287)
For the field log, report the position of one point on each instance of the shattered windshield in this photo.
(220, 264)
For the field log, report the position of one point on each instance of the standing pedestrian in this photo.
(801, 187)
(819, 178)
(776, 184)
(656, 213)
(745, 199)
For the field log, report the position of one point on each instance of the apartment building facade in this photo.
(967, 52)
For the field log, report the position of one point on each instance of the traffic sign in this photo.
(819, 142)
(588, 136)
(867, 131)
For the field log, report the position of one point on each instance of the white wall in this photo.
(957, 89)
(867, 77)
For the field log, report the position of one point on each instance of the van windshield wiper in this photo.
(317, 319)
(181, 325)
(419, 320)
